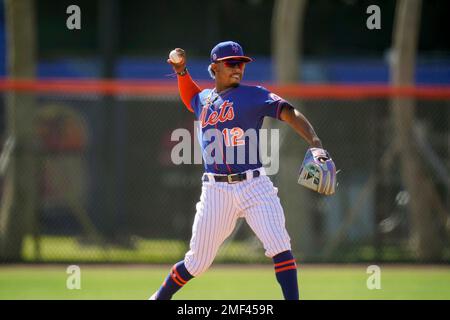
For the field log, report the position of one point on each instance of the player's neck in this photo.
(221, 88)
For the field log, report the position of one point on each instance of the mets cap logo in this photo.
(274, 97)
(235, 48)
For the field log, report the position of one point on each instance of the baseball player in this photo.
(233, 190)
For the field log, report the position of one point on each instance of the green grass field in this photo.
(224, 282)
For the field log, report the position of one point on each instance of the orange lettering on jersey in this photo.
(213, 118)
(226, 113)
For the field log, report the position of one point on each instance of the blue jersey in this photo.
(231, 120)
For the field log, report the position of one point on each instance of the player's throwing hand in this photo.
(180, 55)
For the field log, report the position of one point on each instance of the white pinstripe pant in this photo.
(221, 204)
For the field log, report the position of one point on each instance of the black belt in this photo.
(232, 178)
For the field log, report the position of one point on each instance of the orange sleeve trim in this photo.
(188, 89)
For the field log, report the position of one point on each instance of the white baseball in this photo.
(174, 57)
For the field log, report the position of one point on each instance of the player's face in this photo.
(229, 73)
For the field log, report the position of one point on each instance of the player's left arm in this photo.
(316, 156)
(300, 124)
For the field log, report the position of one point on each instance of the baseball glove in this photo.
(318, 172)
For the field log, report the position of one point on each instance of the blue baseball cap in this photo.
(228, 50)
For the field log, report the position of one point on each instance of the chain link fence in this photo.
(106, 189)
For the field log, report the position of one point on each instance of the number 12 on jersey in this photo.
(233, 137)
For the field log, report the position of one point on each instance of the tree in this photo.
(424, 236)
(287, 31)
(19, 199)
(287, 34)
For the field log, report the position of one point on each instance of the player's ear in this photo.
(212, 74)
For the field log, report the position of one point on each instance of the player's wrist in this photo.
(182, 72)
(316, 142)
